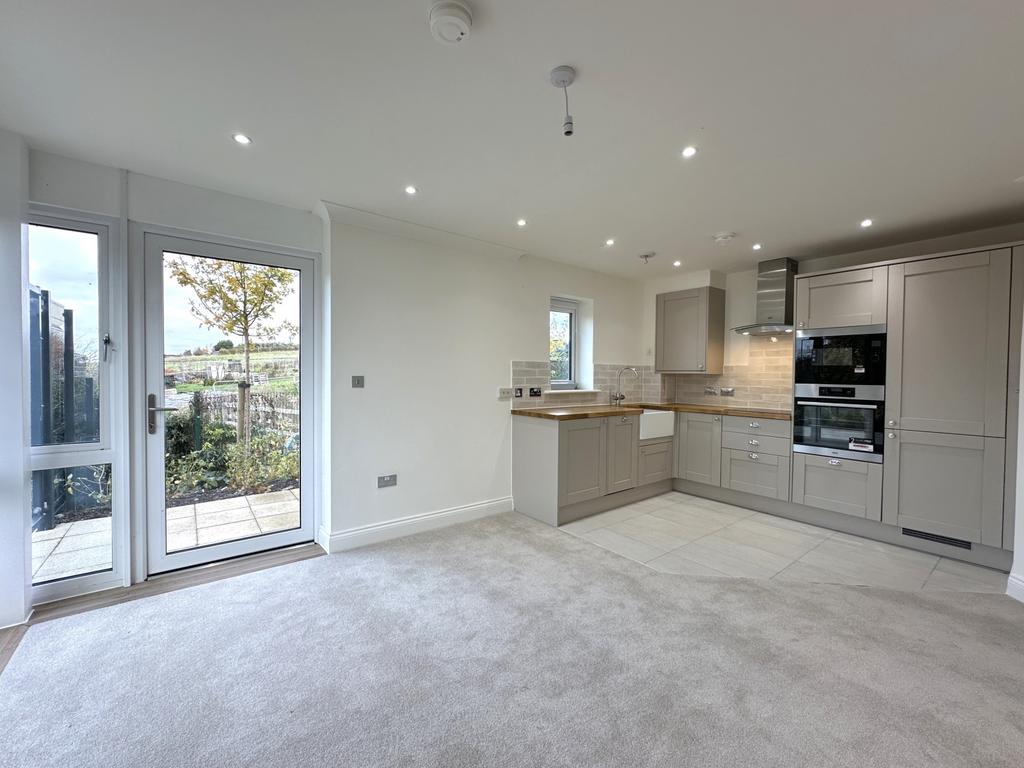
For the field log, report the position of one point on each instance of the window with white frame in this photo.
(72, 448)
(563, 343)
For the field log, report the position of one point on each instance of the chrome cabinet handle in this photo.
(753, 442)
(625, 419)
(700, 366)
(753, 456)
(834, 462)
(717, 418)
(892, 435)
(892, 422)
(754, 425)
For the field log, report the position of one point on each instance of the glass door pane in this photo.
(224, 404)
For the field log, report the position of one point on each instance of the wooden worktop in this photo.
(565, 413)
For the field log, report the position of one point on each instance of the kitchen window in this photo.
(563, 336)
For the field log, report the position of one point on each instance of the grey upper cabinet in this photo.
(838, 485)
(856, 297)
(582, 460)
(690, 331)
(948, 335)
(699, 448)
(949, 485)
(623, 453)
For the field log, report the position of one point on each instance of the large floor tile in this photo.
(656, 531)
(901, 554)
(755, 532)
(210, 519)
(801, 571)
(733, 558)
(953, 575)
(870, 567)
(732, 513)
(602, 520)
(673, 562)
(623, 545)
(696, 520)
(229, 532)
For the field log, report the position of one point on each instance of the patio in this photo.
(71, 549)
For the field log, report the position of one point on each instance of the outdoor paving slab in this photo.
(54, 533)
(74, 563)
(235, 502)
(229, 532)
(281, 522)
(278, 508)
(273, 497)
(181, 540)
(173, 513)
(181, 524)
(72, 543)
(95, 525)
(210, 519)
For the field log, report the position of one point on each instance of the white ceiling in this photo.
(809, 115)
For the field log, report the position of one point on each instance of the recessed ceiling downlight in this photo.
(241, 138)
(677, 263)
(610, 242)
(756, 246)
(410, 190)
(689, 152)
(866, 223)
(521, 223)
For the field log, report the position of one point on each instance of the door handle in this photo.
(753, 456)
(834, 462)
(754, 425)
(152, 409)
(753, 442)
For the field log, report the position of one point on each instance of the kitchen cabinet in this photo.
(623, 453)
(838, 485)
(690, 331)
(699, 448)
(757, 427)
(582, 460)
(944, 484)
(655, 462)
(762, 474)
(948, 338)
(842, 299)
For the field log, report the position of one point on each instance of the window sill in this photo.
(548, 392)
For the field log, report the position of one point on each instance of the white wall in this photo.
(15, 498)
(1015, 585)
(433, 329)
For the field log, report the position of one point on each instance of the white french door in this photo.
(229, 401)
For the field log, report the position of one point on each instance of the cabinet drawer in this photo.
(838, 485)
(757, 473)
(749, 426)
(775, 446)
(655, 462)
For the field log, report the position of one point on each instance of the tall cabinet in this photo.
(946, 388)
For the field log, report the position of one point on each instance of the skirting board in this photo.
(405, 526)
(1015, 586)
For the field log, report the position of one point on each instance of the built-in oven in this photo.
(848, 356)
(840, 421)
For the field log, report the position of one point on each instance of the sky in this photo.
(64, 262)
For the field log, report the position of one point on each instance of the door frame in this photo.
(113, 446)
(144, 240)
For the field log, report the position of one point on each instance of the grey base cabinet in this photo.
(948, 485)
(838, 485)
(699, 448)
(623, 453)
(582, 460)
(758, 473)
(655, 462)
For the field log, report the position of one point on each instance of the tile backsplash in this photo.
(536, 373)
(766, 381)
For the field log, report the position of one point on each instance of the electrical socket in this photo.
(535, 392)
(504, 393)
(386, 481)
(518, 392)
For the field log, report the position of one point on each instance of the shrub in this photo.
(266, 461)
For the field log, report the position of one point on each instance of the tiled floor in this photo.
(85, 546)
(678, 533)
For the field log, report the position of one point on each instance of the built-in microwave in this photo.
(839, 421)
(847, 356)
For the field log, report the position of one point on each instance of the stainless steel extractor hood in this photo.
(774, 299)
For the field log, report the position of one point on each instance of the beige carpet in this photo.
(505, 643)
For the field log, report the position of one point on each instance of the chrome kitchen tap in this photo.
(617, 396)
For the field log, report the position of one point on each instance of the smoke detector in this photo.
(646, 257)
(450, 21)
(723, 237)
